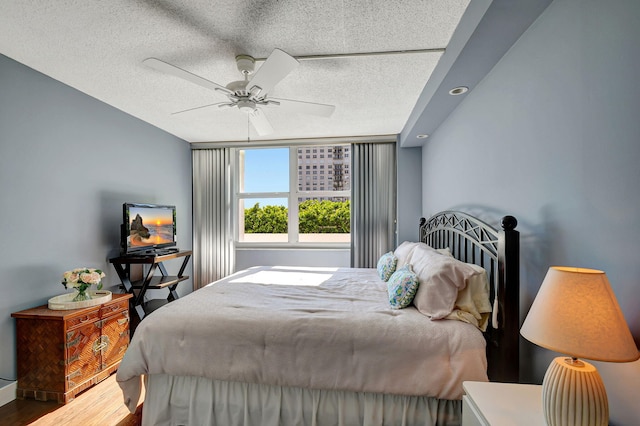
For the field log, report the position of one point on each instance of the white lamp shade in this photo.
(576, 313)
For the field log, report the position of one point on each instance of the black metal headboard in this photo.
(498, 251)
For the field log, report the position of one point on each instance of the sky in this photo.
(266, 170)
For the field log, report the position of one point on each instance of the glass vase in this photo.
(83, 294)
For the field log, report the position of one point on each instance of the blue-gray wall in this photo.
(67, 163)
(409, 210)
(553, 132)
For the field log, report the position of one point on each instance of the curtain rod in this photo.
(294, 142)
(360, 54)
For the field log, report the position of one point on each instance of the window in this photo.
(277, 204)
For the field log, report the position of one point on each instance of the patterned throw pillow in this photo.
(402, 287)
(387, 265)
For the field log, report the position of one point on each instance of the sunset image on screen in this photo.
(150, 226)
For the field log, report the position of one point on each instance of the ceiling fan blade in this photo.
(274, 69)
(311, 108)
(260, 122)
(164, 67)
(219, 104)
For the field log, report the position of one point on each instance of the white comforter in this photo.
(318, 328)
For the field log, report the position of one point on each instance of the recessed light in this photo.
(458, 90)
(422, 136)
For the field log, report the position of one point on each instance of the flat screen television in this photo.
(147, 228)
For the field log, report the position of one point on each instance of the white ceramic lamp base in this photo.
(573, 394)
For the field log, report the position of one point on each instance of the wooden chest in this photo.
(61, 353)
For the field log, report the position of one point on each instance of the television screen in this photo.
(148, 227)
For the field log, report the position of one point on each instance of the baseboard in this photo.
(7, 391)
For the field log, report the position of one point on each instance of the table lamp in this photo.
(576, 313)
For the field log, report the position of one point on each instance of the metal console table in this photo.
(138, 288)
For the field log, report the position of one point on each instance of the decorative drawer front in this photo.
(112, 308)
(82, 360)
(115, 330)
(84, 319)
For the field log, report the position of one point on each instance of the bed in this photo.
(292, 345)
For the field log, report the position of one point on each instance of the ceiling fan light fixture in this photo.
(246, 106)
(458, 90)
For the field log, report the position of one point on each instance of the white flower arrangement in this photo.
(83, 278)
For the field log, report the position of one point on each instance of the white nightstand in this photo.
(502, 404)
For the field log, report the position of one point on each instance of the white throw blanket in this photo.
(318, 328)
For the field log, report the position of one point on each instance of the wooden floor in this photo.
(100, 405)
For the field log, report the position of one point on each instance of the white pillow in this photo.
(473, 304)
(403, 252)
(445, 251)
(441, 278)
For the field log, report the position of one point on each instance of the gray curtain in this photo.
(373, 202)
(213, 249)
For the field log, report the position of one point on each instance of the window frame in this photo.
(293, 234)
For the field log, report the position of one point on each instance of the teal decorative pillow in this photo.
(387, 265)
(402, 287)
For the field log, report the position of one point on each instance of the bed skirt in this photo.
(180, 400)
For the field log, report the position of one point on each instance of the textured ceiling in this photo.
(98, 47)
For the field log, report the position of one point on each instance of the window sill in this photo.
(290, 246)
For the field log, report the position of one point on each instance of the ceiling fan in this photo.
(250, 95)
